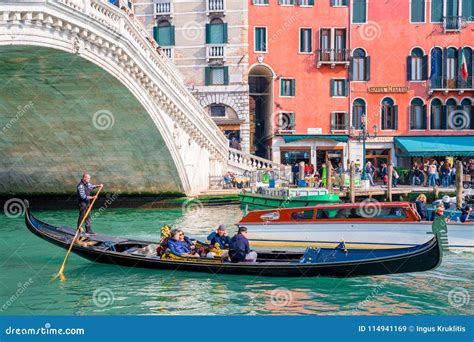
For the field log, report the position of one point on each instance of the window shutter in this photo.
(172, 41)
(351, 67)
(445, 67)
(444, 117)
(155, 34)
(436, 11)
(409, 68)
(208, 33)
(412, 117)
(344, 2)
(281, 87)
(346, 120)
(333, 121)
(346, 88)
(367, 68)
(395, 117)
(225, 34)
(423, 119)
(293, 93)
(311, 2)
(226, 75)
(207, 75)
(424, 72)
(331, 90)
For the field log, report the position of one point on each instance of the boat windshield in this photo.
(302, 215)
(362, 212)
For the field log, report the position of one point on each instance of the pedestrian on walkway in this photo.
(432, 174)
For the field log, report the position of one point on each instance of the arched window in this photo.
(417, 66)
(437, 111)
(466, 83)
(451, 67)
(417, 114)
(216, 32)
(436, 73)
(468, 110)
(358, 109)
(389, 114)
(451, 113)
(164, 33)
(360, 69)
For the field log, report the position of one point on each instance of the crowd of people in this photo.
(431, 173)
(439, 211)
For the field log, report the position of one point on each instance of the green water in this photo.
(28, 263)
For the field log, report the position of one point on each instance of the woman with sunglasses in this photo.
(178, 245)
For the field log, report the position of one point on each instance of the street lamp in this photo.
(363, 135)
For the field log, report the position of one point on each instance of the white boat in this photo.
(371, 225)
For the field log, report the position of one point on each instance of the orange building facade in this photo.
(318, 68)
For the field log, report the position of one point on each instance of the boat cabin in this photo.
(292, 192)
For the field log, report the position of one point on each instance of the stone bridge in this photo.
(84, 87)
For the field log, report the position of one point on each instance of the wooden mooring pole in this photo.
(389, 183)
(328, 174)
(459, 179)
(352, 183)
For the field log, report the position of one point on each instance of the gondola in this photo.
(330, 262)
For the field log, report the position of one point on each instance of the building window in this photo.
(359, 11)
(451, 113)
(287, 87)
(336, 3)
(339, 121)
(389, 114)
(437, 11)
(468, 10)
(286, 2)
(417, 114)
(217, 75)
(417, 11)
(286, 122)
(417, 66)
(437, 114)
(216, 32)
(467, 119)
(306, 2)
(436, 79)
(360, 68)
(306, 40)
(217, 110)
(339, 87)
(358, 110)
(260, 39)
(451, 66)
(164, 33)
(260, 2)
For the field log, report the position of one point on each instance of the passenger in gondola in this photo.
(465, 212)
(420, 204)
(239, 248)
(220, 236)
(178, 246)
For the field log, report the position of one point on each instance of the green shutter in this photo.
(155, 33)
(225, 34)
(333, 121)
(293, 92)
(281, 87)
(359, 11)
(208, 33)
(331, 90)
(346, 88)
(468, 10)
(417, 11)
(436, 11)
(226, 75)
(207, 75)
(164, 35)
(216, 34)
(172, 35)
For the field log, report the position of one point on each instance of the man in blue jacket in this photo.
(219, 236)
(239, 248)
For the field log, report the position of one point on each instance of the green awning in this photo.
(295, 137)
(458, 146)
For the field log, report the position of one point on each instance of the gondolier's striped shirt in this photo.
(84, 190)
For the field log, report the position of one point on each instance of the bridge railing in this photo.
(246, 161)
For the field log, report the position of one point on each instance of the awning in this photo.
(457, 146)
(295, 137)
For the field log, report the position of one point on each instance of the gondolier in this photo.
(83, 193)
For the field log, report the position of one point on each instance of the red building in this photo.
(318, 67)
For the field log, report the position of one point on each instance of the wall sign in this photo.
(387, 89)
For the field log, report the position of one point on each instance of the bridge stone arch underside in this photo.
(68, 105)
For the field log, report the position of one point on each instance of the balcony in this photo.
(163, 8)
(453, 23)
(215, 7)
(168, 52)
(215, 51)
(333, 57)
(446, 85)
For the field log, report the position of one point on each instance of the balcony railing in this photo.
(333, 57)
(215, 51)
(163, 8)
(168, 52)
(260, 2)
(215, 6)
(453, 23)
(448, 84)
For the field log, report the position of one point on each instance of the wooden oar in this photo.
(78, 233)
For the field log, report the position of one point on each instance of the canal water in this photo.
(28, 263)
